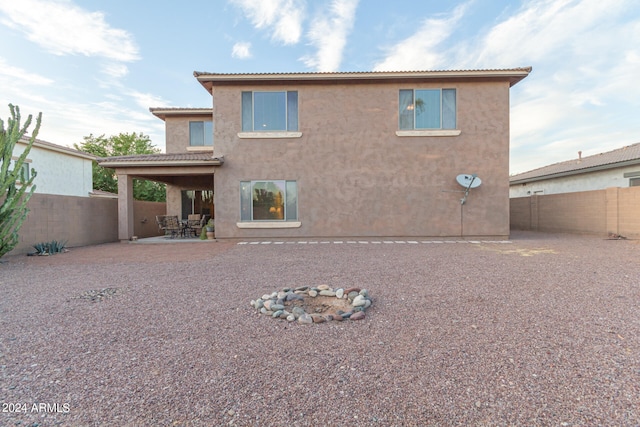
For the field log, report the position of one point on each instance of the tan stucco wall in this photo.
(177, 132)
(356, 177)
(174, 200)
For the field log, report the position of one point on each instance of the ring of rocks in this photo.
(320, 304)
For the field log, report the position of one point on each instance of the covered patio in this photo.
(180, 172)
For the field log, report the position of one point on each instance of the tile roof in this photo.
(160, 157)
(367, 73)
(609, 159)
(513, 75)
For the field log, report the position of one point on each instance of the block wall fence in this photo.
(81, 221)
(601, 212)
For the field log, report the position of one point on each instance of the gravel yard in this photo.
(541, 330)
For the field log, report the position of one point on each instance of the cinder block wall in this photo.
(81, 221)
(600, 212)
(629, 211)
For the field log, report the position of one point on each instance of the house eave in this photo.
(208, 80)
(218, 161)
(58, 148)
(163, 113)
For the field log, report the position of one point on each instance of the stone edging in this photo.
(277, 303)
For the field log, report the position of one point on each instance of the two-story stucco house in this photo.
(313, 155)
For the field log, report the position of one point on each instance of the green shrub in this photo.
(50, 248)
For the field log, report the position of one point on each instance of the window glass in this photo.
(292, 111)
(406, 109)
(23, 174)
(196, 133)
(268, 200)
(245, 201)
(427, 109)
(449, 109)
(292, 200)
(201, 134)
(269, 111)
(247, 111)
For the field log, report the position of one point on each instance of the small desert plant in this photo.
(49, 248)
(211, 225)
(203, 233)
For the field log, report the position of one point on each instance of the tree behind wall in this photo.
(13, 186)
(123, 144)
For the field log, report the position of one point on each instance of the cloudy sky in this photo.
(95, 67)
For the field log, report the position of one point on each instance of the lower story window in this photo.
(275, 200)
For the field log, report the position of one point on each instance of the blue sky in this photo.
(97, 66)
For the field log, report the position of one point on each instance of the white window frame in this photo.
(290, 219)
(290, 130)
(428, 131)
(207, 131)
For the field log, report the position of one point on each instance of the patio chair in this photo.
(161, 221)
(172, 226)
(194, 225)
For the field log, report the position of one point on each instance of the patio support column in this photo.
(125, 206)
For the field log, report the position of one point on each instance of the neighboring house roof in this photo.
(625, 156)
(59, 148)
(161, 159)
(163, 113)
(513, 75)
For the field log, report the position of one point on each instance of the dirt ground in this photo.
(541, 330)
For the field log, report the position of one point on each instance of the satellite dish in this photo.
(468, 181)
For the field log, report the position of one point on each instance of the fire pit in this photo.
(319, 304)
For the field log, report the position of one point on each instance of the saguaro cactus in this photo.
(15, 190)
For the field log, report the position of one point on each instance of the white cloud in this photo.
(62, 28)
(583, 89)
(329, 35)
(241, 50)
(547, 29)
(115, 70)
(419, 51)
(584, 79)
(283, 17)
(7, 70)
(148, 100)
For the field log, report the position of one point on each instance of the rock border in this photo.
(276, 304)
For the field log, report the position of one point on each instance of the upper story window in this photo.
(427, 109)
(270, 111)
(201, 134)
